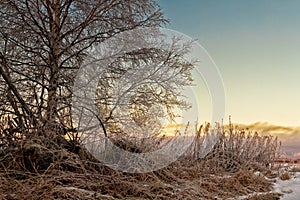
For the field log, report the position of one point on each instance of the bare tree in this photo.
(144, 87)
(43, 44)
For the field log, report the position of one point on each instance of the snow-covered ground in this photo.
(290, 188)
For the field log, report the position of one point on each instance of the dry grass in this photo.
(38, 168)
(285, 176)
(237, 149)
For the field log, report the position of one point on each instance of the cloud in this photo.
(289, 136)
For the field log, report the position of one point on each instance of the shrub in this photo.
(235, 149)
(59, 172)
(285, 176)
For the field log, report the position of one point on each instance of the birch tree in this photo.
(43, 44)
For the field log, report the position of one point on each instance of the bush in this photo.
(38, 168)
(285, 176)
(235, 149)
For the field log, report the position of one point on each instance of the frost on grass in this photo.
(37, 168)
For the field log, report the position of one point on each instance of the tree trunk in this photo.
(54, 58)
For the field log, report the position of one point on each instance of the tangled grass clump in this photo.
(238, 149)
(41, 168)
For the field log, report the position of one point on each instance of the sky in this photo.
(256, 47)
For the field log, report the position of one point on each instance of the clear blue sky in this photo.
(256, 45)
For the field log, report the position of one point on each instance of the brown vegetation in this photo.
(285, 176)
(238, 149)
(43, 45)
(37, 168)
